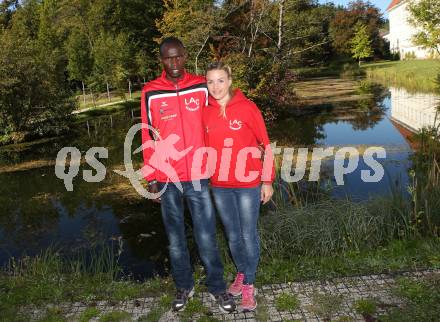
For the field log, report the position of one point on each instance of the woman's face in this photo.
(218, 84)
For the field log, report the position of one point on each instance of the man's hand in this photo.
(266, 192)
(154, 188)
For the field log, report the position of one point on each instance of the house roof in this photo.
(393, 4)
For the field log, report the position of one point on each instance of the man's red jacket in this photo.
(174, 115)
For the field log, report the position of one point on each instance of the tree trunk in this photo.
(129, 87)
(280, 25)
(200, 50)
(254, 32)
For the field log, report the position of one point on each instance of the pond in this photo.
(36, 211)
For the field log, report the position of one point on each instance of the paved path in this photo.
(348, 289)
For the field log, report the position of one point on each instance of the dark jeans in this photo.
(204, 228)
(239, 209)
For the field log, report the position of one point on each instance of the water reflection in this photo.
(359, 116)
(413, 111)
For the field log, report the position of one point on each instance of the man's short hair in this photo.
(169, 41)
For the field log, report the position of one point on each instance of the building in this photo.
(401, 32)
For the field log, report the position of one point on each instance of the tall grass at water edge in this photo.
(50, 277)
(311, 223)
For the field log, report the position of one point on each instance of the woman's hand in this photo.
(266, 192)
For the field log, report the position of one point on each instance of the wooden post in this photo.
(84, 93)
(108, 92)
(93, 98)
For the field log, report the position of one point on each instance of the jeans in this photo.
(239, 209)
(204, 229)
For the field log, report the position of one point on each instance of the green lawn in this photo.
(103, 99)
(414, 75)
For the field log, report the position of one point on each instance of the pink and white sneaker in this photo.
(248, 301)
(237, 285)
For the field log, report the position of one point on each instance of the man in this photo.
(172, 105)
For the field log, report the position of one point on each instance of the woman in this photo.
(235, 129)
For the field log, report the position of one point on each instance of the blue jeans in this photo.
(239, 209)
(204, 229)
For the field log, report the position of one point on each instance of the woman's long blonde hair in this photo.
(218, 65)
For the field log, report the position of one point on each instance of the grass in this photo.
(413, 75)
(107, 110)
(333, 226)
(115, 316)
(421, 301)
(103, 99)
(88, 314)
(397, 256)
(159, 309)
(325, 305)
(366, 307)
(287, 302)
(51, 279)
(193, 307)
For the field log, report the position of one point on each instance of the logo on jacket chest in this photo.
(235, 124)
(192, 104)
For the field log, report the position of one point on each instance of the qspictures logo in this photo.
(164, 156)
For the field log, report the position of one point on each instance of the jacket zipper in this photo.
(181, 124)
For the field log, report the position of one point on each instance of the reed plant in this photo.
(306, 221)
(328, 227)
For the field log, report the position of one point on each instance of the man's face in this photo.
(173, 58)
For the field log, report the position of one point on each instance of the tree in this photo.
(342, 27)
(425, 14)
(361, 43)
(31, 99)
(306, 37)
(193, 21)
(112, 58)
(143, 64)
(79, 56)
